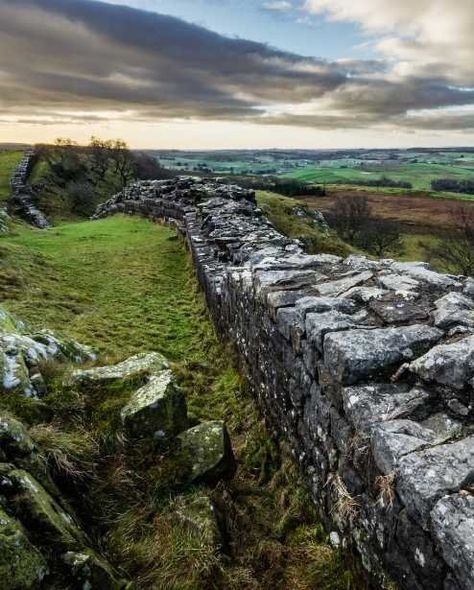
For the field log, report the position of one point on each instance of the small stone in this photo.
(210, 452)
(398, 311)
(157, 409)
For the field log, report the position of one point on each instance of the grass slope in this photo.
(8, 162)
(125, 285)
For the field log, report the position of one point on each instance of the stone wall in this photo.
(22, 199)
(365, 367)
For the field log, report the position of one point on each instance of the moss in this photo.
(21, 565)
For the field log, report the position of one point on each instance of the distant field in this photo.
(8, 162)
(419, 175)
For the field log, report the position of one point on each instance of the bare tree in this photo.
(456, 251)
(349, 215)
(380, 237)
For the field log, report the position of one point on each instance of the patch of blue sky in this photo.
(280, 24)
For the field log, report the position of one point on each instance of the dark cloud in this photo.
(83, 55)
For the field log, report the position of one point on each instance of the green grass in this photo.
(125, 285)
(419, 175)
(120, 285)
(8, 162)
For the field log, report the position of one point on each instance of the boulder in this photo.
(21, 565)
(209, 449)
(140, 366)
(157, 409)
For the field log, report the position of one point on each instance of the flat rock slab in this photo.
(422, 272)
(398, 311)
(359, 354)
(210, 452)
(366, 405)
(425, 476)
(135, 367)
(447, 364)
(453, 527)
(340, 286)
(157, 409)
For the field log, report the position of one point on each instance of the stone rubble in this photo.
(365, 367)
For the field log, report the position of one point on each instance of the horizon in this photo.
(260, 74)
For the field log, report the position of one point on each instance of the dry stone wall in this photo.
(22, 200)
(365, 367)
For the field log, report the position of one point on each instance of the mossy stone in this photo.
(37, 509)
(15, 442)
(210, 450)
(157, 409)
(21, 565)
(139, 366)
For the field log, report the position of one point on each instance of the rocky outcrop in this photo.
(22, 352)
(22, 202)
(363, 366)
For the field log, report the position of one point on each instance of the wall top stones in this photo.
(366, 368)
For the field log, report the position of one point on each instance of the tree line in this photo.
(83, 176)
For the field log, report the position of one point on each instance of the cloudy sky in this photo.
(239, 73)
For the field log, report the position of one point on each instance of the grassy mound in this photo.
(125, 285)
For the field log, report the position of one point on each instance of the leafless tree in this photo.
(455, 251)
(349, 215)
